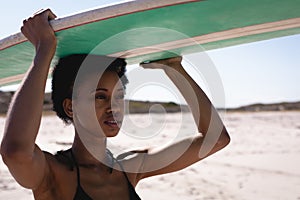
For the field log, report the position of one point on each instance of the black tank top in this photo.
(82, 195)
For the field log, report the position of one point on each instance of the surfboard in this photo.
(146, 30)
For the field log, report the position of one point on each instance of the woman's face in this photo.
(106, 115)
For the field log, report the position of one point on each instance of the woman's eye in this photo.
(100, 97)
(121, 96)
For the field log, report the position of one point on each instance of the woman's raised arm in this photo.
(19, 152)
(188, 151)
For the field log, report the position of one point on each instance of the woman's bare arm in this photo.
(24, 159)
(188, 151)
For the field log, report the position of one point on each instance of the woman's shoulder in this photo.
(132, 163)
(132, 154)
(59, 178)
(61, 159)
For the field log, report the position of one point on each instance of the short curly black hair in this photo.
(65, 72)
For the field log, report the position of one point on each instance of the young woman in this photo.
(77, 173)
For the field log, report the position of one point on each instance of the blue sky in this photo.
(260, 72)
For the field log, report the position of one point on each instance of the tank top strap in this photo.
(124, 172)
(118, 162)
(77, 168)
(132, 193)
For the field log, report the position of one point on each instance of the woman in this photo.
(78, 173)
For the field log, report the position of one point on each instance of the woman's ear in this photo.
(67, 105)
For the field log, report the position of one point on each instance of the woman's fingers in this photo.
(51, 15)
(41, 16)
(48, 14)
(162, 64)
(24, 21)
(153, 65)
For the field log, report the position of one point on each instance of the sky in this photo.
(260, 72)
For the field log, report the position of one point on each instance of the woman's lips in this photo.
(112, 123)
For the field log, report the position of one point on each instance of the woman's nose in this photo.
(113, 108)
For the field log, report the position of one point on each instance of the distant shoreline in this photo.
(140, 107)
(282, 106)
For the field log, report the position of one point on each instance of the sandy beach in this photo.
(262, 162)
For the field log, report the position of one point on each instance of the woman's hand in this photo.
(39, 32)
(165, 64)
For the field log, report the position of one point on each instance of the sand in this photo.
(262, 162)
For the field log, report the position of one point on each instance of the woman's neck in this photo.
(91, 153)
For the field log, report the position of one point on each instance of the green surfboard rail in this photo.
(147, 28)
